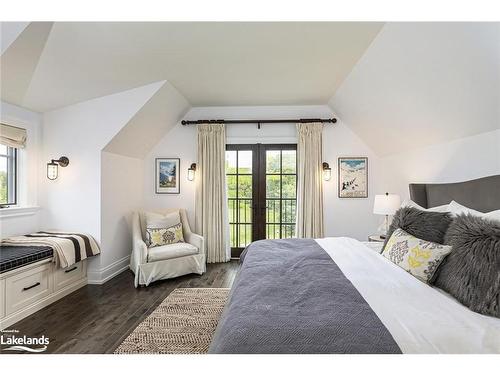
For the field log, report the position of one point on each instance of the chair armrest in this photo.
(196, 240)
(140, 251)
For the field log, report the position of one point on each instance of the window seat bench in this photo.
(30, 281)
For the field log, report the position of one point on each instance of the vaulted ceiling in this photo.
(209, 63)
(397, 85)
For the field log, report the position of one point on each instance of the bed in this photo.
(337, 295)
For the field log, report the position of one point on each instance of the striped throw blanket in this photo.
(69, 247)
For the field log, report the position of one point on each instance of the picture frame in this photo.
(353, 177)
(167, 175)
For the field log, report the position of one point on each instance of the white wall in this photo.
(80, 132)
(348, 217)
(28, 170)
(459, 160)
(121, 194)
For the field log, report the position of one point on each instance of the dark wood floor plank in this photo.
(97, 318)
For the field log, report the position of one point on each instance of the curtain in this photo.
(12, 136)
(211, 203)
(309, 181)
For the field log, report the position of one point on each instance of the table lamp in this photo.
(386, 204)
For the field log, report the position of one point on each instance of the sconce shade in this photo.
(52, 170)
(386, 204)
(191, 172)
(327, 172)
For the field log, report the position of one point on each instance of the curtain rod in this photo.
(259, 122)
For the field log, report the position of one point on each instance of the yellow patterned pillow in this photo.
(418, 257)
(164, 236)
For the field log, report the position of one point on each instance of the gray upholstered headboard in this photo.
(482, 194)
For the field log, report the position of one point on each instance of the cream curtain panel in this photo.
(12, 136)
(211, 203)
(309, 181)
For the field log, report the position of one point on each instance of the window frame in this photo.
(12, 158)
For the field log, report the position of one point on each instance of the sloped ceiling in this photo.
(155, 119)
(210, 63)
(20, 59)
(423, 83)
(9, 31)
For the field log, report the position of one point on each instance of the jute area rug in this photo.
(184, 323)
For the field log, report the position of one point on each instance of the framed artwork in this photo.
(353, 177)
(167, 176)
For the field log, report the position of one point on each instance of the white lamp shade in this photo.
(386, 204)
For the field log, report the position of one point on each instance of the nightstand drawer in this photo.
(27, 287)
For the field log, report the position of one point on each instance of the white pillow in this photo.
(457, 209)
(156, 221)
(410, 203)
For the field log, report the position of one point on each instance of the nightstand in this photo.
(375, 238)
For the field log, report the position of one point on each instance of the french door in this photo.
(262, 198)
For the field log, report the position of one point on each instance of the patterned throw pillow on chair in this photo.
(164, 236)
(418, 257)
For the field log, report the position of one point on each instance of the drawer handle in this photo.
(72, 269)
(29, 287)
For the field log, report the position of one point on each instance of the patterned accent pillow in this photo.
(418, 257)
(164, 236)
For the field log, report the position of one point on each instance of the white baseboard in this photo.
(99, 277)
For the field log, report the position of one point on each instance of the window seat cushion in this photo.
(12, 257)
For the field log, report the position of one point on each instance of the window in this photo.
(8, 175)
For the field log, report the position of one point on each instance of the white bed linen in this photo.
(421, 319)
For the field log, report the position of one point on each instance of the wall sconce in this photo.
(327, 172)
(53, 166)
(191, 172)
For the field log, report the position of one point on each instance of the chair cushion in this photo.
(172, 251)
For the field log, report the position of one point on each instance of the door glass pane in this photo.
(245, 211)
(288, 207)
(244, 235)
(273, 186)
(273, 211)
(230, 161)
(288, 186)
(231, 186)
(232, 210)
(273, 161)
(289, 162)
(245, 162)
(244, 186)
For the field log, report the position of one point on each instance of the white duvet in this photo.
(421, 319)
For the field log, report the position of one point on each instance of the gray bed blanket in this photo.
(291, 297)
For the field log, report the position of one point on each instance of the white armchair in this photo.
(165, 262)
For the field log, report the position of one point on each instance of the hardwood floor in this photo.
(97, 318)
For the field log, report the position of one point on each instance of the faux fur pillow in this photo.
(428, 226)
(471, 273)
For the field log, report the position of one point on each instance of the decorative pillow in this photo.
(164, 236)
(471, 273)
(428, 226)
(457, 209)
(418, 257)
